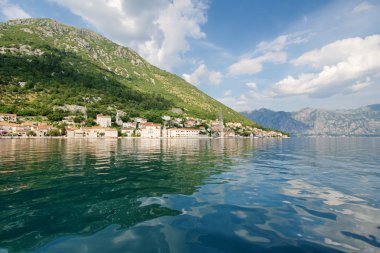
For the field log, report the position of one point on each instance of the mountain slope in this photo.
(282, 121)
(363, 121)
(61, 65)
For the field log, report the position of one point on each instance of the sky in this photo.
(248, 54)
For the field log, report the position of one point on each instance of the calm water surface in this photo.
(292, 195)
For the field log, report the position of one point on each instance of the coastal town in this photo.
(12, 126)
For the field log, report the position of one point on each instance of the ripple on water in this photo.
(294, 195)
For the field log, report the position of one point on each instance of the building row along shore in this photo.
(11, 126)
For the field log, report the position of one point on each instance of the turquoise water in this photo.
(261, 195)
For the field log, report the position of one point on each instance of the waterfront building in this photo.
(7, 127)
(72, 132)
(42, 130)
(150, 130)
(128, 131)
(91, 132)
(5, 117)
(183, 132)
(111, 133)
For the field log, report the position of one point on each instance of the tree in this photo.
(62, 128)
(78, 119)
(31, 133)
(125, 118)
(54, 132)
(57, 115)
(153, 117)
(89, 122)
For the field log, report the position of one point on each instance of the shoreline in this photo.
(139, 138)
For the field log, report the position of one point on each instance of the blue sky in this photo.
(248, 54)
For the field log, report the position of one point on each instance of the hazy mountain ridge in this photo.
(61, 64)
(362, 121)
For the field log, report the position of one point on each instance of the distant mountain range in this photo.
(362, 121)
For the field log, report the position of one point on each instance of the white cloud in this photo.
(252, 99)
(227, 93)
(340, 64)
(359, 85)
(251, 85)
(203, 75)
(159, 30)
(337, 51)
(266, 52)
(363, 7)
(282, 41)
(255, 65)
(12, 11)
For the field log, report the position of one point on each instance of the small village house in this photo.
(72, 132)
(21, 84)
(129, 132)
(4, 117)
(42, 130)
(91, 132)
(129, 124)
(139, 120)
(111, 133)
(103, 120)
(183, 132)
(7, 127)
(150, 130)
(94, 131)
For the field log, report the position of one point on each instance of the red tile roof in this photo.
(6, 114)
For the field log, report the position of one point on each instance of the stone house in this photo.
(42, 130)
(103, 120)
(128, 131)
(150, 130)
(5, 117)
(111, 133)
(183, 132)
(91, 132)
(72, 132)
(7, 127)
(129, 124)
(139, 120)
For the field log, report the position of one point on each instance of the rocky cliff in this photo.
(363, 121)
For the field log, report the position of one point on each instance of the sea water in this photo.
(190, 195)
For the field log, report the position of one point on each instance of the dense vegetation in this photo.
(79, 67)
(54, 80)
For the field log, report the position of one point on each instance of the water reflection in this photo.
(295, 195)
(51, 188)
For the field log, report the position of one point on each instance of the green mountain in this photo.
(45, 64)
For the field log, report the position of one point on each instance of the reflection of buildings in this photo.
(90, 183)
(78, 151)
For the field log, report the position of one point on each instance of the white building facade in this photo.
(150, 130)
(103, 120)
(4, 117)
(183, 132)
